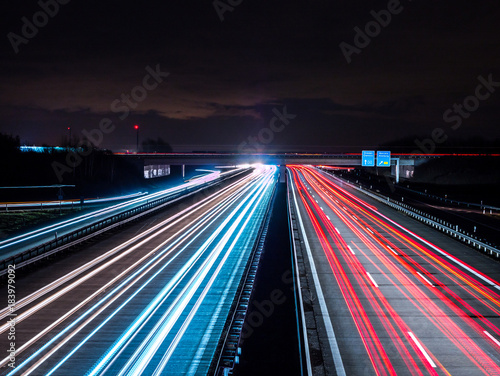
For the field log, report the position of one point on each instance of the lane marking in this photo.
(433, 365)
(328, 218)
(488, 281)
(370, 276)
(336, 229)
(321, 208)
(334, 347)
(425, 279)
(392, 250)
(370, 231)
(492, 338)
(350, 249)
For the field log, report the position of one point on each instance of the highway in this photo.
(150, 300)
(22, 242)
(392, 296)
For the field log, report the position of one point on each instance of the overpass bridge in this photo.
(345, 159)
(401, 164)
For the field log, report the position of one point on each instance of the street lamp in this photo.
(136, 127)
(69, 137)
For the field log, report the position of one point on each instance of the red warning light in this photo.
(136, 126)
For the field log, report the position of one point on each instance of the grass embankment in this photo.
(14, 221)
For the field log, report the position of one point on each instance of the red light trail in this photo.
(386, 261)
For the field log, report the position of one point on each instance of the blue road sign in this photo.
(383, 158)
(367, 158)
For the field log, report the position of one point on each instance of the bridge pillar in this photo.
(282, 174)
(396, 170)
(402, 168)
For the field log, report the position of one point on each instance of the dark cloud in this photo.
(226, 77)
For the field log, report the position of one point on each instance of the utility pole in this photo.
(136, 127)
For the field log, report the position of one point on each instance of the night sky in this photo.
(228, 78)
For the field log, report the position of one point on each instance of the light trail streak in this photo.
(143, 354)
(415, 266)
(332, 340)
(469, 268)
(432, 313)
(443, 298)
(210, 327)
(108, 210)
(256, 187)
(120, 290)
(178, 237)
(155, 231)
(466, 279)
(412, 243)
(371, 341)
(375, 242)
(244, 215)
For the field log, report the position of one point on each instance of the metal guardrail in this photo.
(97, 228)
(63, 205)
(429, 220)
(227, 353)
(446, 200)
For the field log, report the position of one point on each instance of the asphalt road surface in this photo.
(395, 297)
(149, 300)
